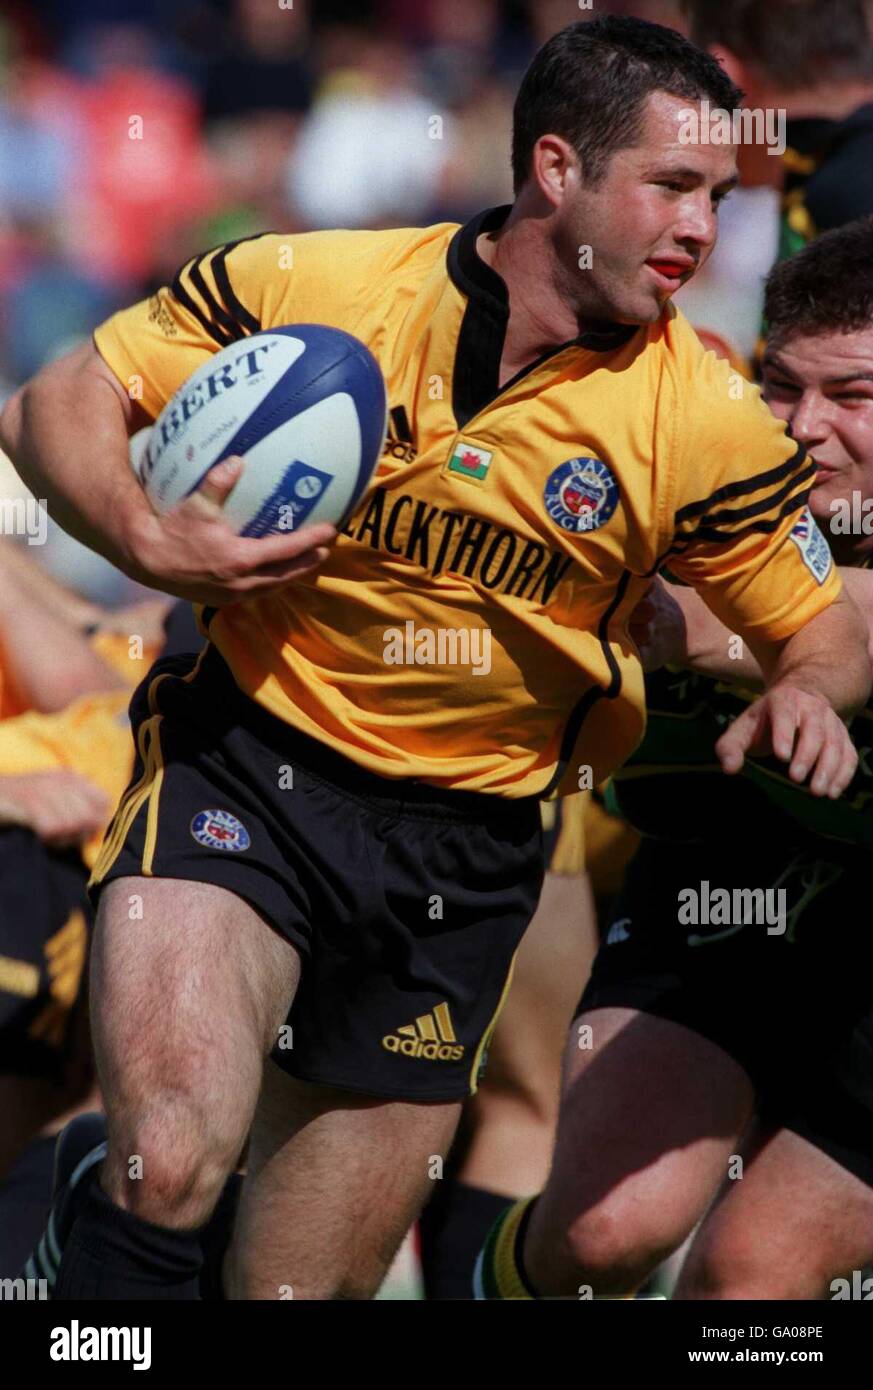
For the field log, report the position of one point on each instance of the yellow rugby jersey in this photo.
(115, 649)
(470, 626)
(91, 737)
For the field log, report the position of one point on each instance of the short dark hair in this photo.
(826, 288)
(796, 43)
(589, 84)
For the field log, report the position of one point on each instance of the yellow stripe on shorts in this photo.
(149, 782)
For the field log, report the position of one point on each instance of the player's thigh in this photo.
(334, 1181)
(650, 1113)
(795, 1221)
(189, 986)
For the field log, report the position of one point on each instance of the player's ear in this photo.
(553, 164)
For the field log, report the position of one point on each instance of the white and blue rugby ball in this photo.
(305, 406)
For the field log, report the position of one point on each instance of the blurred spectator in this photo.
(372, 151)
(811, 60)
(264, 61)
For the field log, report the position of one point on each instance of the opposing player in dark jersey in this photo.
(381, 894)
(813, 62)
(722, 1063)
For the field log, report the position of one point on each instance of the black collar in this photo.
(483, 330)
(478, 281)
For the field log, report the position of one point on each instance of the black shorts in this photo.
(794, 1008)
(406, 902)
(44, 920)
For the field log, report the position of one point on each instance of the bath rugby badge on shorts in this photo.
(581, 494)
(470, 462)
(814, 549)
(219, 830)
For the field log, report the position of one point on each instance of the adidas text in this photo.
(416, 1047)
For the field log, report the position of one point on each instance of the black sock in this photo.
(25, 1197)
(453, 1228)
(112, 1254)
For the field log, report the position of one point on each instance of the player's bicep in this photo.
(93, 366)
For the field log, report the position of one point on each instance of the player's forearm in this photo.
(828, 657)
(66, 433)
(711, 649)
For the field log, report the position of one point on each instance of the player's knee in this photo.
(170, 1166)
(737, 1265)
(615, 1246)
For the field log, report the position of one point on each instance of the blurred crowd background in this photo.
(134, 133)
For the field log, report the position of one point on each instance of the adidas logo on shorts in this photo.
(431, 1036)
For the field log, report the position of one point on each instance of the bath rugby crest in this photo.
(581, 494)
(219, 830)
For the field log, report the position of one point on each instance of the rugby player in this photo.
(730, 1077)
(817, 66)
(383, 894)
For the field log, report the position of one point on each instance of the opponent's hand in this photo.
(192, 552)
(61, 807)
(799, 729)
(657, 626)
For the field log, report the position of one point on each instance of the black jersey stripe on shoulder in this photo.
(244, 318)
(216, 311)
(732, 515)
(229, 320)
(584, 706)
(218, 334)
(717, 536)
(742, 487)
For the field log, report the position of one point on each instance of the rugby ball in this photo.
(305, 406)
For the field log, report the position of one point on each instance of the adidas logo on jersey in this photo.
(431, 1036)
(398, 442)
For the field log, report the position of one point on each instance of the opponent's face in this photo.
(651, 222)
(823, 386)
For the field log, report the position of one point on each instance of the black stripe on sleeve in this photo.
(741, 488)
(217, 334)
(712, 533)
(245, 320)
(730, 515)
(217, 312)
(231, 320)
